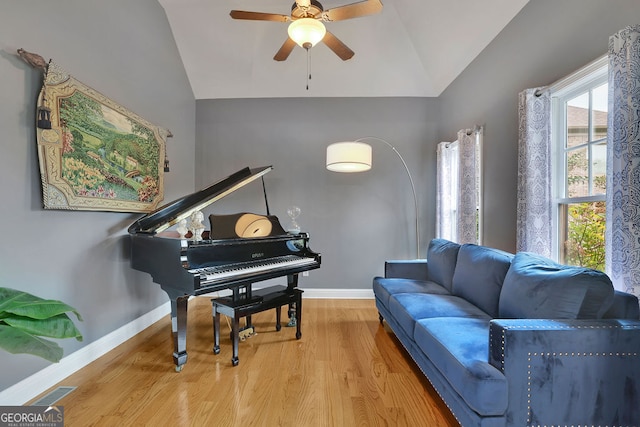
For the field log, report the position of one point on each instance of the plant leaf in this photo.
(25, 304)
(59, 326)
(16, 341)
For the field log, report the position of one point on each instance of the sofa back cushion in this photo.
(539, 288)
(441, 261)
(479, 274)
(624, 306)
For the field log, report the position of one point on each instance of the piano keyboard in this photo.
(209, 274)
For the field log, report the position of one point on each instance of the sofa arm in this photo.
(406, 269)
(569, 372)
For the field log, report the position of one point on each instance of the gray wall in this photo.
(125, 50)
(355, 220)
(547, 40)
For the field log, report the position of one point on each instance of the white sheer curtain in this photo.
(447, 193)
(622, 236)
(533, 222)
(459, 165)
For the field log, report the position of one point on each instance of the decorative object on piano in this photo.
(93, 153)
(196, 226)
(294, 213)
(244, 225)
(237, 252)
(25, 319)
(182, 228)
(355, 156)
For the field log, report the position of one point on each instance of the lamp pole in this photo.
(413, 188)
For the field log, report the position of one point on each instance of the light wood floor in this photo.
(346, 370)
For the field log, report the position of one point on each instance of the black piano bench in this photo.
(260, 300)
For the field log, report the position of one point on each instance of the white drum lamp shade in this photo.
(349, 157)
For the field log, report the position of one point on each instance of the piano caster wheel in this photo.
(216, 350)
(179, 368)
(235, 361)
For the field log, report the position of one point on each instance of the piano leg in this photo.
(179, 330)
(292, 283)
(298, 293)
(295, 308)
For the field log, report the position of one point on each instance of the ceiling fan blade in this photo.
(259, 16)
(354, 10)
(285, 50)
(339, 48)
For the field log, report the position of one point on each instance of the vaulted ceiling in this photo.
(411, 48)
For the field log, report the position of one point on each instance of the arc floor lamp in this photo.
(355, 156)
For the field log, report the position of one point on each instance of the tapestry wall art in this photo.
(95, 154)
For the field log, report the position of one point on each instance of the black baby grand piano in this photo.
(222, 260)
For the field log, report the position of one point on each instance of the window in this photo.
(459, 183)
(579, 120)
(447, 226)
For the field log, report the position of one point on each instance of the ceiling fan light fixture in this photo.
(306, 32)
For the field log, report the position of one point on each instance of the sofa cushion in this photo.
(441, 259)
(624, 306)
(384, 287)
(407, 308)
(408, 268)
(479, 275)
(537, 287)
(459, 349)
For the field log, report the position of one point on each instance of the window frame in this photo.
(585, 79)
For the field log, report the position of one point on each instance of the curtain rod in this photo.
(575, 76)
(475, 129)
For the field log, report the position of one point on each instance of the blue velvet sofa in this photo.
(516, 340)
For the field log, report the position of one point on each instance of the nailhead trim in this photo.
(561, 354)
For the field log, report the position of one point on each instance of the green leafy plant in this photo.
(585, 245)
(25, 319)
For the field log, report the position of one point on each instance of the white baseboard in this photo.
(338, 293)
(36, 384)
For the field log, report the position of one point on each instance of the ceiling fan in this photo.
(306, 28)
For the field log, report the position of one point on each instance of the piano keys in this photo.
(212, 275)
(238, 250)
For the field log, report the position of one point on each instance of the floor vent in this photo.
(53, 396)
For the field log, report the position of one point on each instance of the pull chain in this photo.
(308, 68)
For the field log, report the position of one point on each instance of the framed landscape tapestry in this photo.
(95, 154)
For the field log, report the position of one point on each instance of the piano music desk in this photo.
(254, 302)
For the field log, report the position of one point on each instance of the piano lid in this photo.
(182, 208)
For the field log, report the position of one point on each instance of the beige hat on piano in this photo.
(252, 225)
